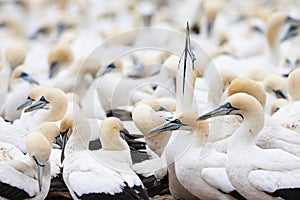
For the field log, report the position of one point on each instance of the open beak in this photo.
(37, 105)
(64, 135)
(168, 126)
(53, 68)
(279, 94)
(225, 109)
(40, 169)
(105, 70)
(28, 78)
(26, 103)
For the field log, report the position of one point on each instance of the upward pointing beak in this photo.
(64, 136)
(37, 105)
(26, 103)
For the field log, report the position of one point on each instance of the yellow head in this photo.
(248, 86)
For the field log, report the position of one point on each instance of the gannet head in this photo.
(55, 100)
(146, 119)
(240, 104)
(12, 24)
(49, 130)
(289, 62)
(59, 56)
(39, 150)
(34, 95)
(116, 66)
(275, 25)
(294, 84)
(21, 73)
(110, 131)
(277, 104)
(275, 84)
(248, 86)
(211, 8)
(15, 55)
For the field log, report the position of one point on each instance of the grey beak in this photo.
(168, 126)
(279, 94)
(53, 68)
(64, 136)
(26, 103)
(28, 78)
(292, 32)
(38, 32)
(105, 70)
(37, 105)
(61, 27)
(40, 169)
(225, 109)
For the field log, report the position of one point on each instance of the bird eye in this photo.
(287, 61)
(177, 121)
(228, 105)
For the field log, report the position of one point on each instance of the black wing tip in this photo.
(13, 193)
(134, 193)
(288, 194)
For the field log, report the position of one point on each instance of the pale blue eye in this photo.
(228, 105)
(177, 121)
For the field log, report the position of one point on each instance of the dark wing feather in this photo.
(154, 186)
(287, 194)
(13, 193)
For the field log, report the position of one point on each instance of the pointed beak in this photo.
(39, 31)
(28, 78)
(26, 103)
(168, 126)
(225, 109)
(292, 32)
(40, 169)
(105, 70)
(123, 134)
(37, 105)
(61, 27)
(64, 135)
(279, 94)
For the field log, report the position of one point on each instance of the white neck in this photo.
(246, 134)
